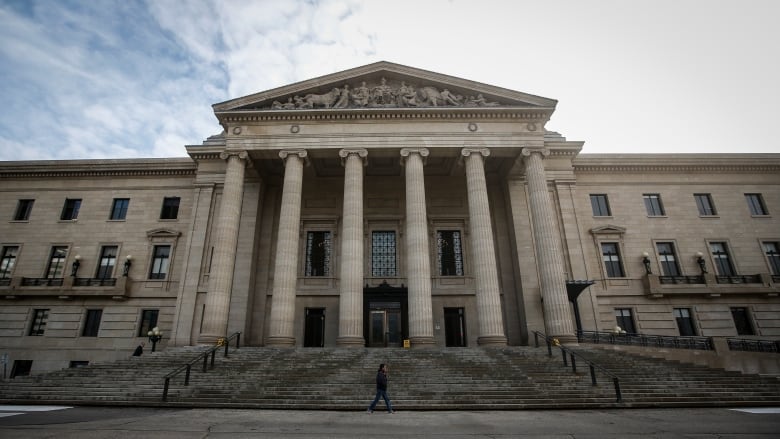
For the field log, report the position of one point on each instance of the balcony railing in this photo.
(746, 344)
(681, 279)
(5, 281)
(665, 341)
(42, 281)
(745, 279)
(94, 282)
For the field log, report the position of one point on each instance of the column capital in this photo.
(283, 154)
(224, 155)
(468, 150)
(528, 150)
(406, 152)
(362, 153)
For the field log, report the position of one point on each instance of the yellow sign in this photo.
(221, 341)
(407, 344)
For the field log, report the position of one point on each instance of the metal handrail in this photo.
(591, 365)
(753, 345)
(666, 341)
(203, 355)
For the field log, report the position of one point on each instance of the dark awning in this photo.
(575, 287)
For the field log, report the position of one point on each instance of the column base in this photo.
(209, 339)
(422, 342)
(280, 341)
(351, 341)
(491, 340)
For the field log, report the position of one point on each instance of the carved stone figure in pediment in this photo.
(449, 98)
(326, 100)
(361, 95)
(382, 94)
(289, 105)
(343, 100)
(407, 95)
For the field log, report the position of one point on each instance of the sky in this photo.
(96, 79)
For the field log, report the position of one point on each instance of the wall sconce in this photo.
(128, 263)
(646, 261)
(701, 262)
(76, 264)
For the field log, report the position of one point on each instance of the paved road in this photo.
(102, 422)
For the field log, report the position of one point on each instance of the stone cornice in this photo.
(98, 168)
(676, 163)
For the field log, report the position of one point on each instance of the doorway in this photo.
(385, 316)
(454, 327)
(314, 328)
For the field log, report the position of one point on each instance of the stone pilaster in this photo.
(557, 311)
(351, 279)
(280, 331)
(215, 318)
(418, 268)
(491, 322)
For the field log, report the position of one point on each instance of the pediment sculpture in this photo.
(383, 95)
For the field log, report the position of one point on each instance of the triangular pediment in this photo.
(608, 229)
(384, 85)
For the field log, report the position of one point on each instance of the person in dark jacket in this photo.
(139, 350)
(381, 390)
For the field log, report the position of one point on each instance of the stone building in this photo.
(380, 205)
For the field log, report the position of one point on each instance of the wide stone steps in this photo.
(434, 379)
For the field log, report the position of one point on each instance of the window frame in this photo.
(621, 319)
(748, 320)
(70, 209)
(702, 199)
(615, 260)
(38, 321)
(668, 260)
(383, 271)
(309, 270)
(8, 261)
(56, 262)
(23, 209)
(145, 325)
(170, 209)
(92, 319)
(772, 256)
(654, 206)
(107, 260)
(601, 204)
(720, 258)
(458, 263)
(118, 211)
(756, 204)
(689, 320)
(159, 267)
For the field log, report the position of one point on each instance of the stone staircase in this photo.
(430, 379)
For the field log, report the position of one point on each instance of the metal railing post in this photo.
(592, 375)
(573, 364)
(565, 361)
(227, 344)
(205, 363)
(617, 389)
(187, 375)
(165, 388)
(213, 354)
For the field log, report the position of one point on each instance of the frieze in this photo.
(383, 94)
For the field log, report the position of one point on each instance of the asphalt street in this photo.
(136, 422)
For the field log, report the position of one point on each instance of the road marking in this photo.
(761, 410)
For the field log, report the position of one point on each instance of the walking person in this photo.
(139, 350)
(381, 390)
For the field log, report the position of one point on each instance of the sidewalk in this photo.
(103, 422)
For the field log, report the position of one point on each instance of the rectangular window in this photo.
(160, 260)
(318, 246)
(653, 205)
(449, 252)
(119, 208)
(684, 322)
(600, 205)
(772, 252)
(383, 261)
(669, 265)
(8, 261)
(609, 251)
(170, 208)
(92, 323)
(56, 262)
(756, 204)
(705, 205)
(70, 210)
(107, 262)
(23, 210)
(742, 321)
(38, 326)
(21, 368)
(721, 259)
(625, 320)
(148, 321)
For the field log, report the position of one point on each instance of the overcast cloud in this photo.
(131, 78)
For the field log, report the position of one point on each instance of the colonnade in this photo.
(418, 270)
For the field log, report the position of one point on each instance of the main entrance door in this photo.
(385, 310)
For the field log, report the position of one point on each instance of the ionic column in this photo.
(215, 317)
(418, 266)
(557, 311)
(491, 322)
(351, 279)
(280, 331)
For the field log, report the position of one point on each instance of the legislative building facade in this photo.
(379, 207)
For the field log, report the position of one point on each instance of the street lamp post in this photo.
(155, 335)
